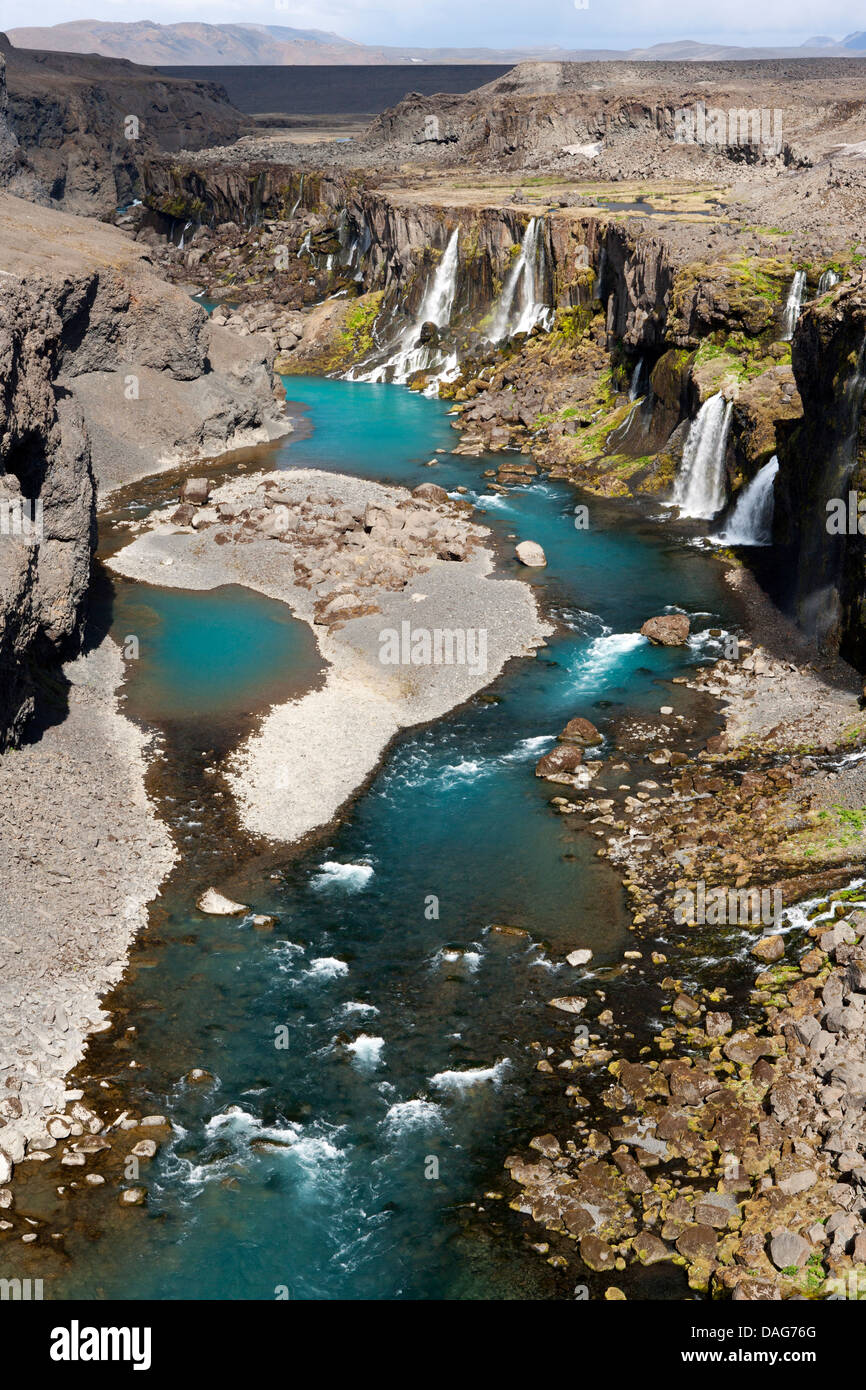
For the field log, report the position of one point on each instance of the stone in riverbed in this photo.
(749, 1290)
(132, 1197)
(568, 1003)
(581, 957)
(718, 1024)
(769, 949)
(145, 1148)
(685, 1007)
(530, 553)
(6, 1168)
(195, 490)
(800, 1180)
(649, 1249)
(566, 757)
(582, 732)
(596, 1253)
(430, 492)
(217, 905)
(670, 630)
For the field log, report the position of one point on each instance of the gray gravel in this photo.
(81, 854)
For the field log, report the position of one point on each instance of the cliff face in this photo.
(46, 486)
(106, 373)
(71, 115)
(693, 316)
(823, 460)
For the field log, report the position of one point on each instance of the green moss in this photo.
(738, 354)
(356, 338)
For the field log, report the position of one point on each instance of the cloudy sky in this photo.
(493, 23)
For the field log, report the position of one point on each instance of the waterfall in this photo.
(186, 227)
(827, 281)
(794, 304)
(751, 522)
(634, 388)
(409, 355)
(439, 299)
(520, 312)
(299, 197)
(700, 489)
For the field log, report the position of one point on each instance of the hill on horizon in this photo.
(192, 43)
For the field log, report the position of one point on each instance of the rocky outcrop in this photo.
(83, 123)
(106, 373)
(822, 465)
(47, 496)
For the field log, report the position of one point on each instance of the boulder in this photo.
(596, 1253)
(788, 1249)
(769, 949)
(716, 1209)
(530, 553)
(582, 732)
(671, 630)
(195, 490)
(216, 905)
(430, 492)
(132, 1197)
(565, 758)
(568, 1003)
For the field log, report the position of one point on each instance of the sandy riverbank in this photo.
(81, 854)
(310, 755)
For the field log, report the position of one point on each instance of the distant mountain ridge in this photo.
(152, 44)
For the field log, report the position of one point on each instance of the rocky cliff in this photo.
(83, 123)
(823, 458)
(46, 495)
(677, 315)
(106, 373)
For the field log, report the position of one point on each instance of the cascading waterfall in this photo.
(438, 301)
(520, 305)
(411, 356)
(636, 378)
(794, 304)
(700, 489)
(827, 281)
(297, 202)
(185, 229)
(751, 522)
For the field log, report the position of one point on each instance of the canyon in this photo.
(674, 329)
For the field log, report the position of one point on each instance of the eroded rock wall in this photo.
(107, 373)
(82, 124)
(47, 526)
